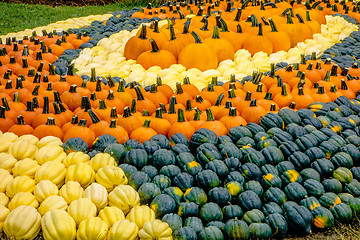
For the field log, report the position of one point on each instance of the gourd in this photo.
(110, 215)
(81, 209)
(22, 149)
(97, 194)
(50, 153)
(3, 214)
(5, 179)
(124, 197)
(140, 215)
(123, 230)
(155, 229)
(7, 161)
(75, 158)
(54, 171)
(23, 198)
(92, 228)
(100, 160)
(81, 173)
(26, 167)
(71, 191)
(52, 220)
(20, 184)
(110, 177)
(51, 203)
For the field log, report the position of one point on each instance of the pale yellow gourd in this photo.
(22, 223)
(54, 171)
(29, 137)
(45, 189)
(155, 229)
(51, 203)
(100, 160)
(48, 140)
(5, 179)
(110, 177)
(22, 149)
(110, 215)
(140, 215)
(23, 198)
(20, 184)
(75, 158)
(50, 153)
(12, 137)
(97, 194)
(123, 230)
(124, 197)
(7, 162)
(92, 229)
(25, 167)
(81, 209)
(4, 200)
(4, 144)
(3, 214)
(71, 191)
(81, 173)
(58, 224)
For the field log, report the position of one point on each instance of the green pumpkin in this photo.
(232, 211)
(353, 188)
(344, 175)
(291, 176)
(235, 176)
(332, 185)
(193, 168)
(269, 169)
(163, 157)
(310, 173)
(229, 149)
(220, 225)
(196, 195)
(251, 171)
(170, 170)
(354, 139)
(245, 141)
(266, 143)
(162, 140)
(202, 136)
(236, 133)
(147, 192)
(137, 179)
(253, 216)
(163, 204)
(323, 218)
(307, 141)
(75, 145)
(255, 187)
(117, 151)
(328, 148)
(179, 148)
(137, 157)
(183, 181)
(284, 166)
(271, 120)
(128, 169)
(236, 230)
(151, 171)
(278, 225)
(310, 203)
(174, 221)
(329, 200)
(354, 204)
(162, 181)
(254, 128)
(299, 218)
(345, 197)
(288, 148)
(276, 195)
(219, 167)
(295, 130)
(315, 153)
(211, 232)
(254, 157)
(178, 138)
(183, 158)
(175, 193)
(342, 159)
(324, 167)
(188, 209)
(273, 155)
(342, 213)
(271, 208)
(300, 160)
(195, 223)
(220, 196)
(234, 188)
(210, 212)
(260, 231)
(314, 188)
(184, 233)
(232, 163)
(207, 179)
(207, 152)
(249, 200)
(353, 151)
(261, 136)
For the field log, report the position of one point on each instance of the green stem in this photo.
(209, 115)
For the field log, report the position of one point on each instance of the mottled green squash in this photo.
(273, 155)
(271, 208)
(188, 209)
(314, 188)
(278, 225)
(236, 230)
(211, 232)
(137, 179)
(234, 188)
(163, 204)
(174, 221)
(260, 231)
(232, 211)
(219, 195)
(253, 216)
(175, 193)
(147, 192)
(183, 181)
(329, 200)
(275, 195)
(342, 213)
(196, 195)
(332, 185)
(211, 212)
(310, 203)
(344, 175)
(323, 218)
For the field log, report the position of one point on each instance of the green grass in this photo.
(17, 17)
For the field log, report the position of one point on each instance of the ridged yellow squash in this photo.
(4, 144)
(155, 229)
(124, 197)
(45, 189)
(110, 215)
(50, 153)
(5, 179)
(54, 171)
(20, 184)
(51, 203)
(100, 160)
(123, 230)
(92, 229)
(26, 167)
(71, 191)
(110, 177)
(49, 140)
(29, 137)
(75, 158)
(4, 200)
(7, 162)
(22, 149)
(97, 194)
(140, 215)
(23, 198)
(3, 214)
(82, 209)
(81, 173)
(58, 224)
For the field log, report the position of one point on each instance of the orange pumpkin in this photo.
(136, 45)
(253, 112)
(143, 133)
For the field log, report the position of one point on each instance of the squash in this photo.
(123, 230)
(295, 191)
(51, 203)
(20, 184)
(236, 229)
(52, 220)
(7, 161)
(54, 171)
(260, 231)
(299, 218)
(75, 145)
(276, 195)
(278, 225)
(110, 215)
(71, 191)
(48, 140)
(100, 160)
(26, 167)
(329, 200)
(196, 195)
(5, 179)
(23, 198)
(207, 179)
(92, 228)
(271, 208)
(140, 215)
(163, 204)
(344, 175)
(249, 200)
(74, 158)
(97, 194)
(4, 200)
(195, 223)
(82, 173)
(117, 151)
(342, 213)
(314, 188)
(137, 157)
(22, 223)
(211, 232)
(332, 185)
(110, 177)
(163, 157)
(124, 197)
(81, 209)
(50, 153)
(3, 214)
(323, 218)
(22, 149)
(184, 233)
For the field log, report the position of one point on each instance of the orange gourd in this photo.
(21, 128)
(137, 45)
(49, 129)
(223, 48)
(189, 88)
(253, 112)
(143, 133)
(5, 122)
(259, 42)
(216, 126)
(116, 131)
(275, 36)
(82, 131)
(159, 124)
(143, 103)
(189, 111)
(181, 126)
(156, 96)
(68, 125)
(232, 120)
(301, 99)
(283, 99)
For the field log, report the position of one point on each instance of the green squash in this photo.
(269, 169)
(266, 143)
(219, 195)
(295, 130)
(195, 223)
(282, 137)
(232, 211)
(184, 233)
(128, 169)
(310, 203)
(151, 171)
(251, 171)
(137, 157)
(354, 204)
(178, 138)
(193, 168)
(133, 144)
(245, 141)
(188, 209)
(342, 159)
(310, 173)
(273, 131)
(183, 181)
(271, 208)
(353, 188)
(342, 213)
(337, 140)
(163, 204)
(174, 221)
(344, 175)
(255, 187)
(275, 195)
(289, 116)
(207, 179)
(261, 136)
(300, 219)
(236, 133)
(117, 151)
(278, 225)
(219, 167)
(273, 155)
(232, 163)
(151, 147)
(254, 157)
(183, 158)
(162, 140)
(329, 200)
(345, 197)
(223, 139)
(210, 212)
(291, 176)
(163, 157)
(147, 192)
(288, 148)
(170, 170)
(211, 232)
(229, 149)
(236, 230)
(234, 188)
(315, 153)
(196, 195)
(260, 231)
(295, 192)
(271, 120)
(137, 179)
(314, 188)
(353, 151)
(175, 193)
(249, 200)
(355, 172)
(202, 136)
(300, 160)
(179, 148)
(207, 152)
(220, 225)
(307, 141)
(323, 218)
(284, 166)
(324, 167)
(235, 176)
(328, 148)
(332, 185)
(328, 132)
(353, 139)
(75, 145)
(319, 135)
(333, 116)
(254, 128)
(253, 216)
(162, 181)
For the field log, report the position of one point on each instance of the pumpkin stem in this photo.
(268, 96)
(143, 32)
(253, 103)
(112, 123)
(186, 81)
(2, 112)
(289, 19)
(188, 105)
(214, 81)
(93, 75)
(209, 115)
(219, 99)
(93, 96)
(8, 85)
(334, 70)
(82, 123)
(266, 23)
(20, 120)
(210, 88)
(146, 123)
(46, 105)
(154, 46)
(181, 117)
(206, 24)
(36, 103)
(301, 20)
(121, 87)
(186, 26)
(301, 91)
(139, 94)
(110, 96)
(197, 38)
(310, 66)
(127, 112)
(272, 25)
(292, 105)
(284, 90)
(344, 72)
(231, 93)
(172, 33)
(302, 59)
(199, 99)
(5, 103)
(179, 89)
(224, 27)
(163, 108)
(355, 65)
(333, 89)
(248, 96)
(56, 108)
(102, 104)
(145, 113)
(238, 15)
(29, 106)
(172, 105)
(327, 76)
(320, 90)
(113, 113)
(238, 29)
(228, 104)
(158, 113)
(216, 33)
(232, 112)
(259, 88)
(133, 106)
(343, 85)
(31, 72)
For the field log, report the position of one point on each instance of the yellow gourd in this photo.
(110, 215)
(4, 200)
(5, 179)
(4, 144)
(3, 214)
(20, 184)
(155, 229)
(23, 198)
(140, 215)
(22, 149)
(25, 167)
(71, 191)
(12, 137)
(51, 203)
(7, 161)
(75, 158)
(81, 173)
(81, 209)
(50, 153)
(110, 177)
(124, 197)
(22, 223)
(54, 171)
(97, 194)
(48, 141)
(92, 229)
(29, 137)
(123, 230)
(45, 189)
(100, 160)
(51, 222)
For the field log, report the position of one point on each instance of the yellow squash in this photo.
(3, 214)
(50, 153)
(4, 144)
(5, 179)
(58, 224)
(22, 149)
(110, 177)
(54, 171)
(92, 229)
(100, 160)
(81, 173)
(4, 200)
(75, 158)
(20, 184)
(140, 215)
(26, 167)
(71, 191)
(7, 162)
(29, 137)
(97, 194)
(48, 141)
(23, 198)
(110, 215)
(51, 203)
(45, 189)
(82, 209)
(155, 229)
(124, 197)
(123, 230)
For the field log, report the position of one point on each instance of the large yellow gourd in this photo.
(155, 229)
(7, 162)
(110, 215)
(22, 149)
(81, 173)
(20, 184)
(71, 191)
(110, 177)
(140, 215)
(50, 153)
(23, 198)
(82, 209)
(26, 167)
(123, 230)
(100, 160)
(92, 229)
(75, 158)
(45, 189)
(51, 223)
(124, 197)
(54, 171)
(97, 194)
(51, 203)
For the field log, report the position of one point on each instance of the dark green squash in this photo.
(137, 157)
(207, 152)
(306, 141)
(260, 231)
(170, 170)
(179, 148)
(207, 179)
(137, 179)
(231, 212)
(299, 219)
(223, 139)
(268, 168)
(271, 208)
(273, 155)
(328, 148)
(234, 188)
(254, 128)
(320, 136)
(251, 171)
(282, 137)
(285, 166)
(255, 157)
(291, 176)
(117, 151)
(300, 160)
(163, 157)
(162, 181)
(236, 133)
(295, 192)
(323, 218)
(220, 196)
(147, 192)
(210, 212)
(235, 176)
(342, 159)
(266, 143)
(356, 173)
(324, 167)
(253, 216)
(188, 209)
(236, 230)
(289, 116)
(295, 130)
(163, 204)
(174, 221)
(254, 186)
(162, 140)
(175, 193)
(178, 138)
(354, 204)
(337, 140)
(345, 197)
(249, 200)
(275, 195)
(220, 225)
(332, 185)
(344, 175)
(245, 141)
(133, 144)
(229, 149)
(314, 188)
(184, 233)
(193, 168)
(211, 232)
(278, 225)
(195, 223)
(219, 167)
(355, 140)
(128, 169)
(319, 108)
(183, 158)
(202, 136)
(342, 213)
(315, 153)
(353, 151)
(273, 131)
(288, 148)
(287, 205)
(261, 136)
(183, 181)
(310, 203)
(151, 147)
(75, 145)
(232, 163)
(196, 195)
(353, 188)
(310, 173)
(150, 170)
(271, 120)
(329, 200)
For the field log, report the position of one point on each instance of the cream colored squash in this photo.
(50, 153)
(110, 215)
(3, 214)
(51, 203)
(29, 137)
(4, 200)
(26, 167)
(5, 179)
(7, 162)
(81, 173)
(140, 215)
(123, 230)
(23, 198)
(97, 194)
(45, 189)
(100, 160)
(124, 197)
(82, 209)
(71, 191)
(20, 184)
(75, 158)
(110, 177)
(92, 229)
(49, 140)
(155, 229)
(4, 144)
(22, 149)
(51, 222)
(54, 171)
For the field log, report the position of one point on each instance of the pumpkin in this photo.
(137, 45)
(50, 222)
